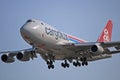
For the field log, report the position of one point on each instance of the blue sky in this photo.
(81, 18)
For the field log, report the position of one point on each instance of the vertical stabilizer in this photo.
(106, 33)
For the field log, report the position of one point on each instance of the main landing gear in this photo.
(50, 64)
(75, 63)
(78, 64)
(65, 64)
(84, 61)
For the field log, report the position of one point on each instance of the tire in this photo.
(67, 65)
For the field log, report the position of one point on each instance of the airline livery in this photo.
(53, 45)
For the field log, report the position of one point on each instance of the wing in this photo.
(95, 50)
(22, 55)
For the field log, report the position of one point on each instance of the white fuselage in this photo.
(43, 36)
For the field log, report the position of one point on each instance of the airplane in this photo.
(52, 45)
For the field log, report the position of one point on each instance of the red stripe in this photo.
(82, 41)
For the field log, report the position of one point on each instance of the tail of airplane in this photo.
(106, 33)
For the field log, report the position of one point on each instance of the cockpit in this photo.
(35, 21)
(30, 20)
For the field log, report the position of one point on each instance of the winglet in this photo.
(106, 33)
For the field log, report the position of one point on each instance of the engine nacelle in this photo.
(7, 58)
(97, 49)
(23, 56)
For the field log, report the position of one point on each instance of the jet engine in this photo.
(23, 56)
(97, 49)
(7, 58)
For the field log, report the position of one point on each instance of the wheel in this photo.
(52, 66)
(67, 65)
(75, 64)
(86, 63)
(81, 59)
(49, 66)
(83, 63)
(78, 63)
(63, 65)
(48, 62)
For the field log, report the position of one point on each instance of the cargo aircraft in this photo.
(52, 44)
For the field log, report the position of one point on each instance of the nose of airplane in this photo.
(24, 32)
(24, 29)
(28, 30)
(28, 26)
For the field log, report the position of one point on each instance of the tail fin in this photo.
(106, 33)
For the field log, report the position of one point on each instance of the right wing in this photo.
(22, 55)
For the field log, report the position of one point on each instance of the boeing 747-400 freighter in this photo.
(53, 45)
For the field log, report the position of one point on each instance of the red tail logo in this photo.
(106, 33)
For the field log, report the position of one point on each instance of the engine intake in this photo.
(23, 56)
(7, 59)
(97, 49)
(94, 48)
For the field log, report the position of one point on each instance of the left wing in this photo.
(95, 50)
(103, 46)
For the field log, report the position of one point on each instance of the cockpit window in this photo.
(30, 20)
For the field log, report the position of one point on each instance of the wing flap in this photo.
(99, 57)
(115, 44)
(117, 47)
